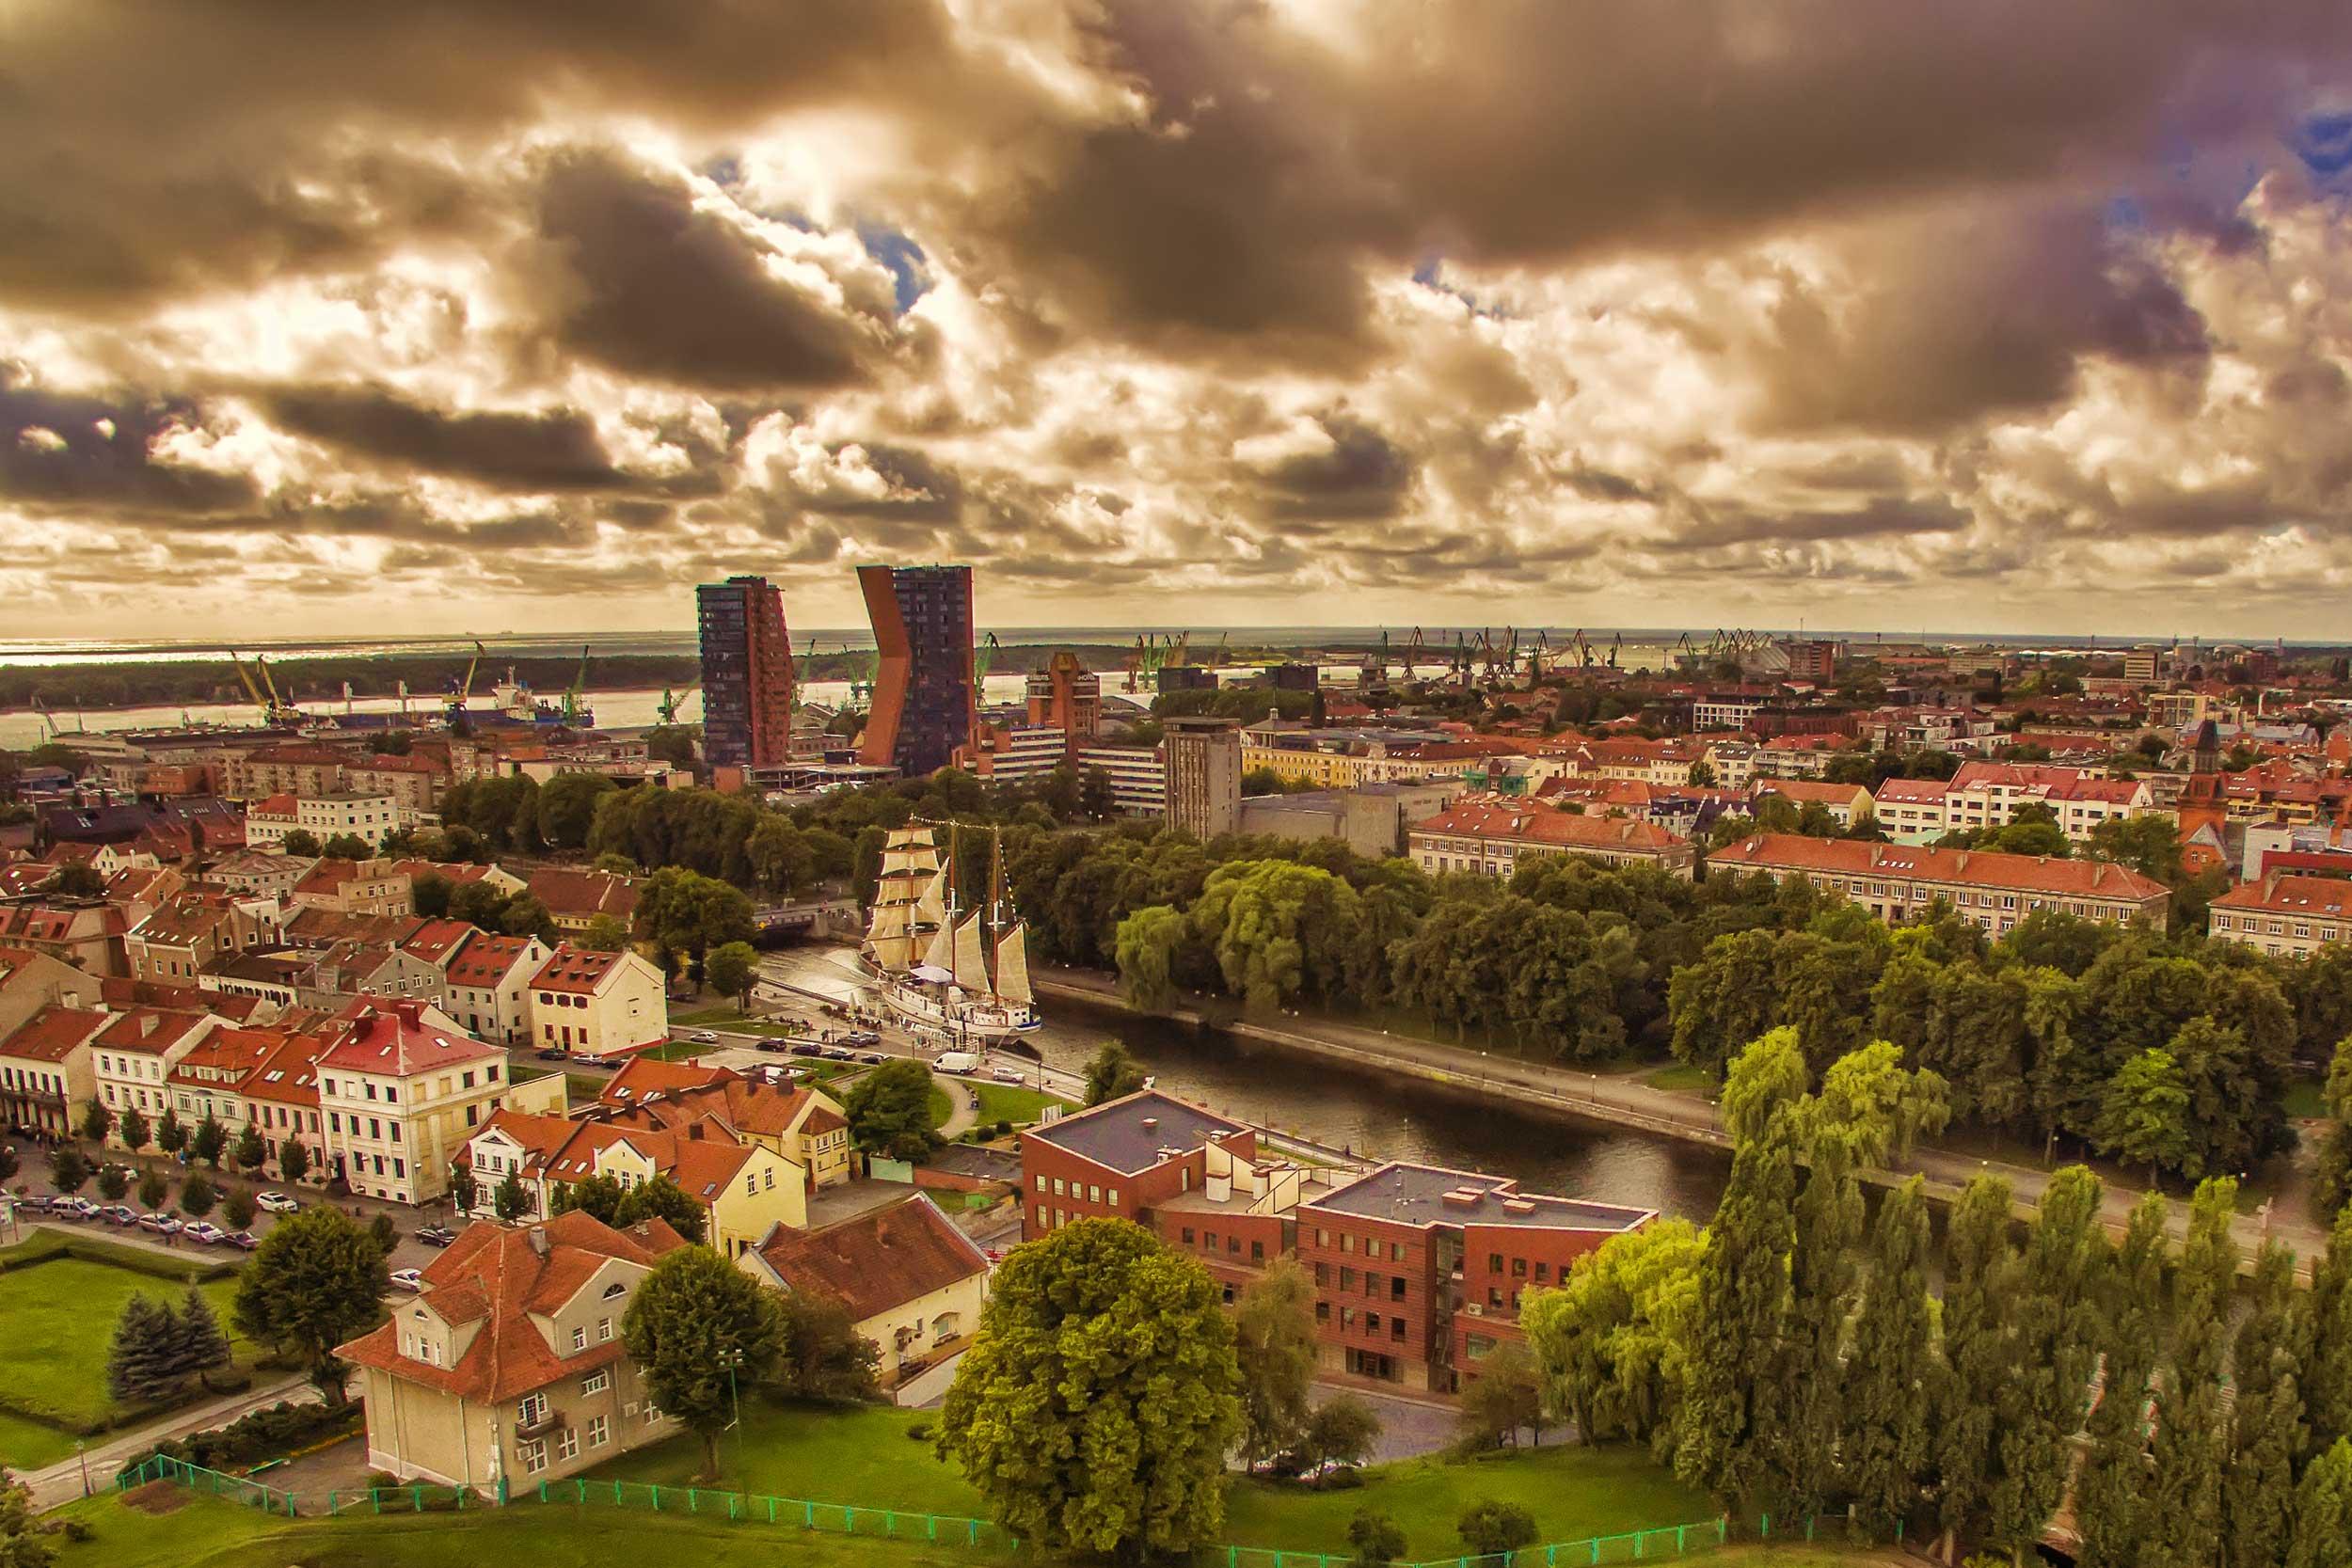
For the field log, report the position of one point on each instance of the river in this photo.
(1278, 1088)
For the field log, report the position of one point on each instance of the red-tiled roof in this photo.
(1805, 790)
(149, 1031)
(2288, 894)
(279, 806)
(53, 1034)
(574, 969)
(1985, 868)
(485, 959)
(1522, 821)
(396, 1040)
(499, 1278)
(581, 893)
(876, 1262)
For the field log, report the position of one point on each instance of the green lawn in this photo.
(2307, 1097)
(1573, 1491)
(27, 1445)
(1682, 1079)
(60, 1316)
(1022, 1107)
(943, 1106)
(860, 1455)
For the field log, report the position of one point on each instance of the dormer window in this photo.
(615, 1289)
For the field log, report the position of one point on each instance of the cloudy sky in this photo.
(437, 317)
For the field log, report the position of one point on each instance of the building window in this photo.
(579, 1338)
(1113, 1197)
(1188, 1235)
(530, 1410)
(1323, 1311)
(598, 1432)
(604, 1329)
(567, 1445)
(535, 1456)
(596, 1382)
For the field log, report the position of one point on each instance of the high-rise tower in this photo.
(747, 672)
(926, 697)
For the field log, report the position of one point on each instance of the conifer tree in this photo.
(138, 1361)
(2191, 1445)
(197, 1344)
(1979, 1267)
(1742, 1308)
(2110, 1492)
(2055, 1315)
(2322, 1512)
(2266, 1434)
(2328, 1353)
(1887, 1443)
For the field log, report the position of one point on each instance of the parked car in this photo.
(807, 1048)
(554, 1053)
(408, 1279)
(862, 1036)
(1010, 1075)
(589, 1058)
(79, 1208)
(276, 1203)
(836, 1054)
(204, 1232)
(33, 1203)
(705, 1037)
(244, 1241)
(435, 1235)
(767, 1042)
(161, 1224)
(119, 1213)
(872, 1058)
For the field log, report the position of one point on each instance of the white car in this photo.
(277, 1203)
(703, 1037)
(205, 1231)
(1010, 1075)
(408, 1279)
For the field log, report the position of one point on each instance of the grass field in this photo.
(60, 1317)
(1573, 1491)
(856, 1454)
(2306, 1098)
(1005, 1102)
(1681, 1079)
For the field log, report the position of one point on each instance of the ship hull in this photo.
(942, 1010)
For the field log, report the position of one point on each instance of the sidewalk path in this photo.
(1624, 1101)
(61, 1482)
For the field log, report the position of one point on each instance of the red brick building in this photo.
(1418, 1270)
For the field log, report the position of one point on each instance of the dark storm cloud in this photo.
(91, 456)
(1713, 525)
(1363, 475)
(651, 287)
(555, 449)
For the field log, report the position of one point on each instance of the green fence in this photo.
(841, 1519)
(253, 1494)
(1659, 1543)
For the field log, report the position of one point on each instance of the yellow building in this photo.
(805, 1125)
(910, 1281)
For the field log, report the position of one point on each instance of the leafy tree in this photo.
(696, 1318)
(511, 1200)
(889, 1111)
(1726, 999)
(1375, 1538)
(237, 1209)
(430, 893)
(661, 1200)
(134, 1130)
(138, 1358)
(781, 859)
(1275, 1346)
(113, 1182)
(2266, 1431)
(1097, 800)
(2144, 1115)
(1148, 943)
(2110, 1493)
(316, 1280)
(300, 842)
(252, 1152)
(293, 1159)
(1504, 1397)
(97, 1121)
(67, 1171)
(1610, 1342)
(208, 1142)
(2322, 1512)
(2331, 1184)
(345, 847)
(1099, 1341)
(599, 1195)
(197, 1195)
(567, 807)
(153, 1189)
(75, 882)
(464, 1190)
(526, 915)
(1742, 1312)
(687, 914)
(1888, 1440)
(1279, 930)
(1339, 1431)
(731, 969)
(2190, 1448)
(604, 934)
(2148, 845)
(382, 1233)
(1493, 1528)
(825, 1358)
(480, 903)
(1112, 1073)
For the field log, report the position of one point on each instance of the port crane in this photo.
(264, 690)
(985, 656)
(464, 693)
(671, 701)
(573, 703)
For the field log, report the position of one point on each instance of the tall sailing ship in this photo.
(961, 971)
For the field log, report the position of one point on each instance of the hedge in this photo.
(46, 1244)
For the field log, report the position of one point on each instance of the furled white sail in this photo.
(909, 863)
(892, 953)
(932, 908)
(1012, 966)
(890, 921)
(970, 966)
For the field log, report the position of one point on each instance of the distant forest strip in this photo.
(317, 681)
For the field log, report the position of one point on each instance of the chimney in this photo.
(1151, 1122)
(409, 1009)
(538, 1234)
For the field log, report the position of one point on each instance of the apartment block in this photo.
(1997, 891)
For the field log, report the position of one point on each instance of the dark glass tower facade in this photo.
(747, 672)
(926, 697)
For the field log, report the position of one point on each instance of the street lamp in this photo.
(734, 1358)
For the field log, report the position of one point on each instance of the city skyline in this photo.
(1741, 316)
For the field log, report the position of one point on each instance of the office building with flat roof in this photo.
(1203, 758)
